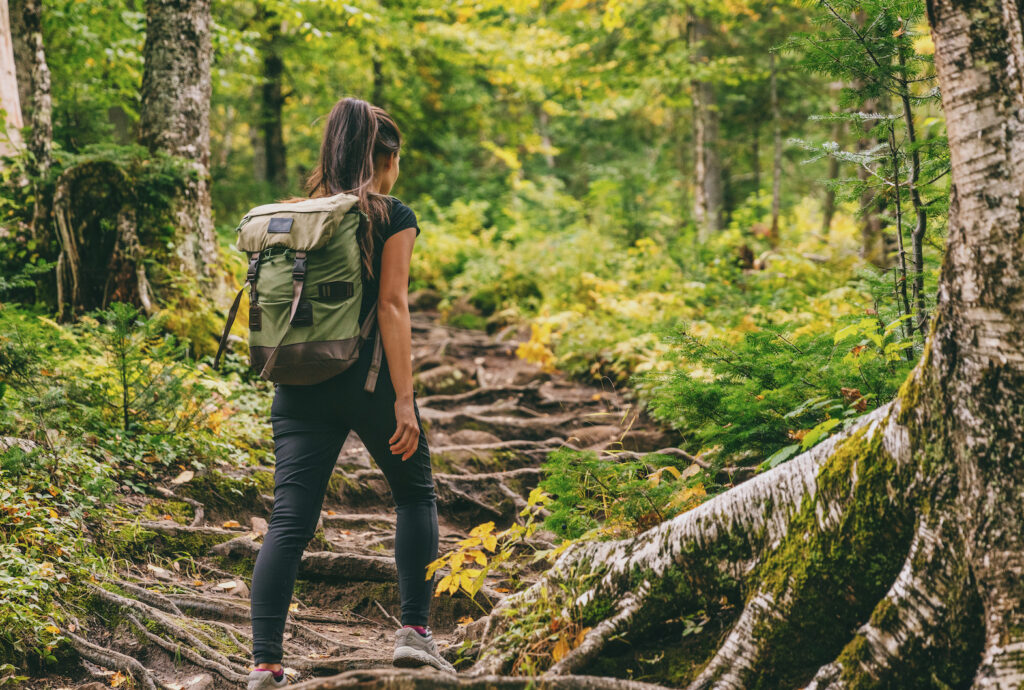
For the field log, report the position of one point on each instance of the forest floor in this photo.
(177, 613)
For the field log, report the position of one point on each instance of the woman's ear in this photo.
(383, 163)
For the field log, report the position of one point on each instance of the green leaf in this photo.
(780, 456)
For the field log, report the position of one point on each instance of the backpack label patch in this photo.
(280, 225)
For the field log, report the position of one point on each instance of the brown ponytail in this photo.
(356, 134)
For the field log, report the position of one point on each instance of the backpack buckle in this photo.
(254, 267)
(299, 267)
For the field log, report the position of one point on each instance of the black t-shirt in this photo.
(400, 218)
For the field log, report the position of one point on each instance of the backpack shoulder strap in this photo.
(250, 281)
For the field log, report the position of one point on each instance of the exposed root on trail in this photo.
(197, 618)
(427, 680)
(112, 659)
(707, 550)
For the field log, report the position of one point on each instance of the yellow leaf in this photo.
(293, 607)
(465, 620)
(118, 679)
(491, 542)
(445, 582)
(456, 561)
(561, 649)
(472, 541)
(53, 490)
(52, 629)
(579, 637)
(482, 530)
(478, 556)
(228, 524)
(453, 586)
(53, 514)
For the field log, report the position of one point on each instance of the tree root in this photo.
(718, 542)
(393, 679)
(108, 658)
(530, 428)
(215, 661)
(629, 605)
(324, 565)
(737, 657)
(913, 618)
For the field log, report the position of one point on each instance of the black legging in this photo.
(310, 426)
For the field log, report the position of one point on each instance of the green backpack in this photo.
(305, 290)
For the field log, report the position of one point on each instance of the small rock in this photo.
(475, 630)
(444, 380)
(202, 681)
(259, 525)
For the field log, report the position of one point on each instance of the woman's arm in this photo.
(396, 333)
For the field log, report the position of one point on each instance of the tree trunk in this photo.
(175, 117)
(34, 90)
(9, 99)
(890, 555)
(272, 109)
(707, 207)
(829, 206)
(776, 148)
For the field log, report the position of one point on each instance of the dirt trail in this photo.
(491, 419)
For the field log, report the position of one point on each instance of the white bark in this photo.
(762, 506)
(9, 99)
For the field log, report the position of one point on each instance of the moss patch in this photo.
(226, 497)
(833, 579)
(178, 511)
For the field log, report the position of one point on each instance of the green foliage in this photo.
(749, 400)
(66, 457)
(46, 502)
(149, 387)
(598, 495)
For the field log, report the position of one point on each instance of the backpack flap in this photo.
(302, 226)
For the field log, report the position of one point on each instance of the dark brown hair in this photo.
(356, 136)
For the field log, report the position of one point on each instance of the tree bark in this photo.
(829, 205)
(175, 117)
(707, 207)
(272, 108)
(773, 88)
(890, 555)
(34, 90)
(9, 99)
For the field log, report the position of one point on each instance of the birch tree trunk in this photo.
(175, 117)
(34, 90)
(9, 99)
(889, 556)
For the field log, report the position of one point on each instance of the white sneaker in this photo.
(261, 679)
(413, 650)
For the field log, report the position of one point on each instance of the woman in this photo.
(359, 155)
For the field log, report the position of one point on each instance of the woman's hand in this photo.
(406, 438)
